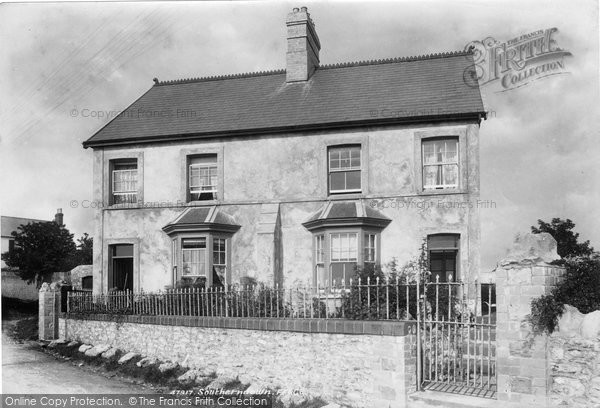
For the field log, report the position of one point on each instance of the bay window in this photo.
(201, 242)
(338, 254)
(346, 236)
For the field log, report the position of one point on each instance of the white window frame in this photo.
(320, 249)
(183, 262)
(348, 249)
(345, 170)
(370, 250)
(440, 164)
(362, 245)
(320, 258)
(224, 252)
(199, 189)
(124, 193)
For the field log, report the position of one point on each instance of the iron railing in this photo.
(362, 299)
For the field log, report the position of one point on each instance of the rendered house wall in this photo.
(289, 170)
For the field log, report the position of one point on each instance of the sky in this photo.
(67, 68)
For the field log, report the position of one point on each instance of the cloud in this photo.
(538, 154)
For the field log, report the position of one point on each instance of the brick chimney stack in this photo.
(58, 217)
(302, 58)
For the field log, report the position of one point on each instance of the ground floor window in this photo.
(338, 254)
(220, 259)
(443, 256)
(201, 246)
(201, 259)
(370, 248)
(193, 252)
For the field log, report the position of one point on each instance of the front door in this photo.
(442, 264)
(121, 267)
(443, 257)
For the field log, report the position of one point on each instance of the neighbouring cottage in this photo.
(288, 176)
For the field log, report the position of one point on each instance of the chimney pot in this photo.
(295, 9)
(304, 9)
(58, 217)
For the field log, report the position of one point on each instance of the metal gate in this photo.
(456, 338)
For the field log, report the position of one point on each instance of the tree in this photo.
(566, 239)
(41, 248)
(84, 253)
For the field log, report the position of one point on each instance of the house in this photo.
(289, 176)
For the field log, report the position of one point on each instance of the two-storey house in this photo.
(296, 175)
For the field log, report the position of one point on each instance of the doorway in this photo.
(443, 257)
(120, 275)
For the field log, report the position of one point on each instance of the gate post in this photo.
(49, 307)
(522, 366)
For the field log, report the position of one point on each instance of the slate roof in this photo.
(10, 224)
(342, 95)
(355, 212)
(209, 218)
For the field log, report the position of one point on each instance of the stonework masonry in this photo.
(522, 364)
(359, 370)
(575, 371)
(49, 304)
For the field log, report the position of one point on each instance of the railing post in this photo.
(418, 332)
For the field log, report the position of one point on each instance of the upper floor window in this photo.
(440, 163)
(344, 166)
(203, 177)
(124, 185)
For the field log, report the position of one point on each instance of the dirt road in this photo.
(26, 370)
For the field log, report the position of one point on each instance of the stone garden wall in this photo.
(360, 364)
(574, 352)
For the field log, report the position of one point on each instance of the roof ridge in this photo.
(397, 59)
(326, 66)
(218, 77)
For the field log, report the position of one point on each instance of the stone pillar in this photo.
(49, 303)
(525, 274)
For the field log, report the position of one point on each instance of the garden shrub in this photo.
(355, 304)
(545, 312)
(580, 288)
